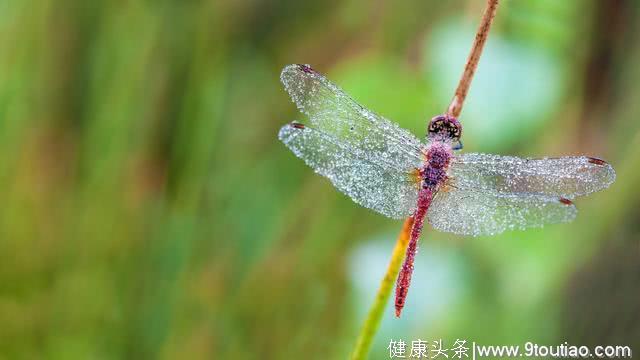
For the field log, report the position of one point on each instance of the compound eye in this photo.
(437, 125)
(454, 131)
(444, 125)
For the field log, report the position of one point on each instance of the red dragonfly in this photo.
(386, 169)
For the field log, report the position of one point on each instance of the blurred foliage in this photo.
(150, 212)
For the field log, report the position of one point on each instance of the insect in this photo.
(385, 168)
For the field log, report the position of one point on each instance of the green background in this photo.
(149, 211)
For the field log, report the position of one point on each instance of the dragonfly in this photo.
(387, 169)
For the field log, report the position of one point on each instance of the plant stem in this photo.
(474, 57)
(372, 322)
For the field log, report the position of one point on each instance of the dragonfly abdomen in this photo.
(404, 278)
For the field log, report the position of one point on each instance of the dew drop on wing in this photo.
(566, 177)
(333, 112)
(364, 155)
(371, 182)
(469, 212)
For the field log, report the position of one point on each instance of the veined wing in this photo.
(566, 177)
(485, 212)
(334, 113)
(376, 183)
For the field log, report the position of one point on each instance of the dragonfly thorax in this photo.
(438, 157)
(439, 154)
(432, 177)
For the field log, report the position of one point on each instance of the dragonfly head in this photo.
(445, 127)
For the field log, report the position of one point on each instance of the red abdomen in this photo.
(404, 278)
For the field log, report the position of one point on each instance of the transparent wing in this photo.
(335, 113)
(566, 177)
(467, 212)
(384, 186)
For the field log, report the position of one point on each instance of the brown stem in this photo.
(474, 57)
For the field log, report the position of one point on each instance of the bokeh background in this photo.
(149, 211)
